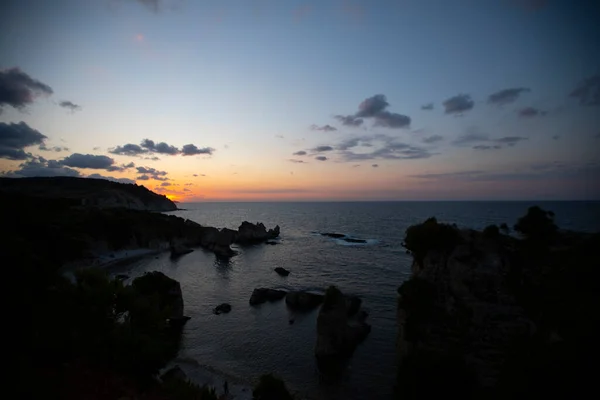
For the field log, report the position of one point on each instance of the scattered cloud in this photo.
(189, 184)
(91, 161)
(321, 158)
(69, 105)
(161, 148)
(57, 149)
(432, 139)
(154, 158)
(375, 107)
(356, 165)
(324, 128)
(458, 104)
(349, 120)
(96, 148)
(471, 136)
(486, 147)
(195, 175)
(14, 138)
(321, 149)
(506, 96)
(191, 150)
(186, 190)
(529, 112)
(297, 161)
(143, 178)
(300, 153)
(375, 165)
(279, 136)
(510, 140)
(17, 89)
(39, 166)
(165, 184)
(588, 91)
(556, 137)
(427, 107)
(151, 173)
(129, 149)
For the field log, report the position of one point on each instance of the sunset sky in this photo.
(306, 100)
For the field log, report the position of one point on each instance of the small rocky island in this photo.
(489, 315)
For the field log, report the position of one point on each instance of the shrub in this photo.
(537, 225)
(491, 231)
(504, 228)
(430, 235)
(271, 388)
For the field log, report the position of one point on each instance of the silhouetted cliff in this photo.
(86, 192)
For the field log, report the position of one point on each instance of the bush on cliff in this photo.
(537, 225)
(430, 235)
(271, 388)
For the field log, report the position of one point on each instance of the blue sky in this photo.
(247, 79)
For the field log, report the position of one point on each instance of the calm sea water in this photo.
(250, 341)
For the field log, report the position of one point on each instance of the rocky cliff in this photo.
(486, 315)
(86, 192)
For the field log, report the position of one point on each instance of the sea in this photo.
(250, 341)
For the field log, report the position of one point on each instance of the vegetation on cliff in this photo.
(495, 316)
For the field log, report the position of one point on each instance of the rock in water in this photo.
(157, 285)
(178, 249)
(222, 309)
(282, 271)
(303, 301)
(261, 295)
(337, 336)
(334, 235)
(249, 233)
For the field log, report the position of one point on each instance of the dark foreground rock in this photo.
(174, 374)
(178, 249)
(222, 309)
(337, 335)
(164, 290)
(261, 295)
(486, 315)
(282, 271)
(249, 233)
(303, 301)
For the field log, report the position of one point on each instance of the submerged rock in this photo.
(303, 301)
(351, 240)
(282, 271)
(334, 235)
(249, 233)
(222, 309)
(337, 335)
(261, 295)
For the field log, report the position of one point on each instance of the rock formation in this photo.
(486, 314)
(166, 291)
(303, 301)
(337, 335)
(222, 309)
(249, 233)
(261, 295)
(282, 271)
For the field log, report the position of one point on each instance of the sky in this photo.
(304, 100)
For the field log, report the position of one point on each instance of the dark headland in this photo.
(493, 314)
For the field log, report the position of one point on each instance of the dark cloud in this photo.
(154, 158)
(349, 120)
(321, 149)
(432, 139)
(195, 175)
(161, 148)
(69, 105)
(391, 120)
(15, 137)
(528, 112)
(57, 149)
(17, 89)
(297, 161)
(390, 151)
(458, 104)
(143, 178)
(77, 160)
(506, 96)
(321, 158)
(588, 91)
(111, 178)
(348, 143)
(375, 107)
(165, 184)
(510, 140)
(300, 153)
(427, 107)
(486, 147)
(471, 136)
(152, 173)
(191, 150)
(96, 148)
(39, 166)
(324, 128)
(372, 106)
(128, 150)
(186, 190)
(375, 165)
